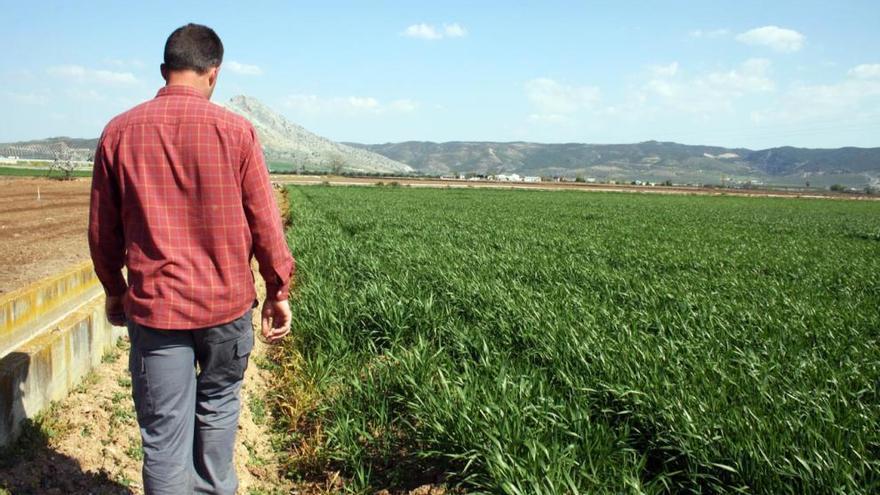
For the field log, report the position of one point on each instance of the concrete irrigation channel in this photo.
(52, 333)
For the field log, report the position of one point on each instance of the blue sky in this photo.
(746, 73)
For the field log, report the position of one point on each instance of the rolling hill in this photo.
(650, 160)
(288, 146)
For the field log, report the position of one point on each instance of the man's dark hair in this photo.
(194, 47)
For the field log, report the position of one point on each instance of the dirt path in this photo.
(89, 442)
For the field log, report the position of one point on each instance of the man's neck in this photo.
(192, 79)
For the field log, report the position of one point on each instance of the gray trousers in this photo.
(188, 420)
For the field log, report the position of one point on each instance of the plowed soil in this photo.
(43, 225)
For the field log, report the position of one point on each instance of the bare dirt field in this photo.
(40, 237)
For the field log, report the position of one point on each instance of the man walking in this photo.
(181, 197)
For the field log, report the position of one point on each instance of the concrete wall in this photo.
(48, 365)
(24, 312)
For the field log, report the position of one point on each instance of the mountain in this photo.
(650, 160)
(288, 146)
(51, 148)
(786, 160)
(287, 143)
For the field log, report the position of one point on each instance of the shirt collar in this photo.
(179, 90)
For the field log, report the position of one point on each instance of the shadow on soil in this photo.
(31, 465)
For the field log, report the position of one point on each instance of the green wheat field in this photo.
(540, 342)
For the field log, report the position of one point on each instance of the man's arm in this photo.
(106, 236)
(270, 248)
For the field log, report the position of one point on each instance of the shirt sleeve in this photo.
(106, 236)
(264, 219)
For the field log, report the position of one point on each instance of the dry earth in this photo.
(90, 442)
(41, 237)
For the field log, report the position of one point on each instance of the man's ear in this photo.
(164, 71)
(212, 75)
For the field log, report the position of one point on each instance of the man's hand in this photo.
(276, 319)
(115, 307)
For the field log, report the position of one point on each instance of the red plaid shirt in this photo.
(181, 197)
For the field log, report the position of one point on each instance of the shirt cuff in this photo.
(273, 289)
(115, 286)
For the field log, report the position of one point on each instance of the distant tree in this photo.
(65, 162)
(667, 183)
(838, 187)
(579, 178)
(337, 165)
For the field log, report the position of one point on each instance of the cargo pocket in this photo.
(140, 390)
(243, 347)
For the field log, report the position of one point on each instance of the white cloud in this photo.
(350, 105)
(665, 93)
(243, 69)
(85, 95)
(665, 70)
(304, 103)
(779, 39)
(549, 118)
(422, 31)
(750, 76)
(124, 63)
(28, 98)
(18, 75)
(430, 32)
(703, 95)
(866, 71)
(552, 98)
(854, 98)
(404, 105)
(363, 102)
(80, 74)
(741, 102)
(709, 33)
(454, 30)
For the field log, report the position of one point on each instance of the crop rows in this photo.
(566, 342)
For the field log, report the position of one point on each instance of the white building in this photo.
(508, 178)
